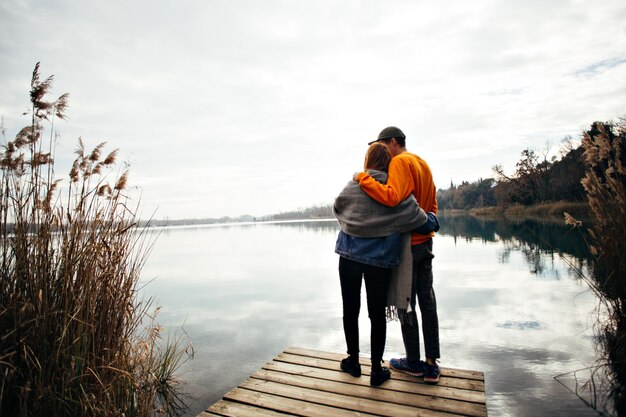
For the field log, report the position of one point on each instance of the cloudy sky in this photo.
(234, 107)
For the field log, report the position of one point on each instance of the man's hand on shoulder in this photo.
(358, 176)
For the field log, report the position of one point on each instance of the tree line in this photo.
(537, 179)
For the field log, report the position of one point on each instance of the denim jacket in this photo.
(377, 251)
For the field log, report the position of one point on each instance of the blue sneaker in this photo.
(431, 373)
(404, 366)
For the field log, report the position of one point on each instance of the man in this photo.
(408, 173)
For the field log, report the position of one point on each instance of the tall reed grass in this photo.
(605, 184)
(75, 339)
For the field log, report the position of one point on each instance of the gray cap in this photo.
(388, 133)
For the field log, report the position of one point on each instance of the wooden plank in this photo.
(450, 372)
(379, 394)
(310, 383)
(469, 384)
(288, 405)
(234, 409)
(339, 401)
(393, 384)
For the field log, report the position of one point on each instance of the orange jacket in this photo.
(408, 173)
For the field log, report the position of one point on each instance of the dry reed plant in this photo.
(75, 339)
(604, 155)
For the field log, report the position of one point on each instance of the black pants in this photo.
(351, 274)
(423, 288)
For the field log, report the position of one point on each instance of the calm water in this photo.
(509, 305)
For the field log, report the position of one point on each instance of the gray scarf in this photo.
(360, 215)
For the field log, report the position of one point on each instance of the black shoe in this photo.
(378, 377)
(350, 366)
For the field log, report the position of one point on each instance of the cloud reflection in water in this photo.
(244, 293)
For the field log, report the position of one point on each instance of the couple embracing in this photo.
(387, 216)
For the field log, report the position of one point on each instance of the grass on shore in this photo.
(543, 209)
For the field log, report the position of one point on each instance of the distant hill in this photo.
(320, 211)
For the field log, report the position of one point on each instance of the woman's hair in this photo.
(377, 157)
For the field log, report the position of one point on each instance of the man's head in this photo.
(393, 138)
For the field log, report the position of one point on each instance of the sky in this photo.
(232, 107)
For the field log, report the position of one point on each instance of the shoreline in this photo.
(552, 212)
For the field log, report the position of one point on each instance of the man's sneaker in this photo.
(403, 365)
(378, 377)
(350, 366)
(431, 373)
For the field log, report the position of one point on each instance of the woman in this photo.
(369, 244)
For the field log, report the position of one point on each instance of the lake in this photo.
(510, 303)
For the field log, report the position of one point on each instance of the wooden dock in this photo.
(305, 382)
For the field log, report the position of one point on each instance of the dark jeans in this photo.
(423, 289)
(351, 274)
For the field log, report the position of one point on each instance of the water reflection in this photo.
(549, 236)
(541, 243)
(551, 250)
(246, 292)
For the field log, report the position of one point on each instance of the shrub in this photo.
(605, 183)
(74, 337)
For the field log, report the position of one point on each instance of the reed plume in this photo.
(605, 183)
(75, 339)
